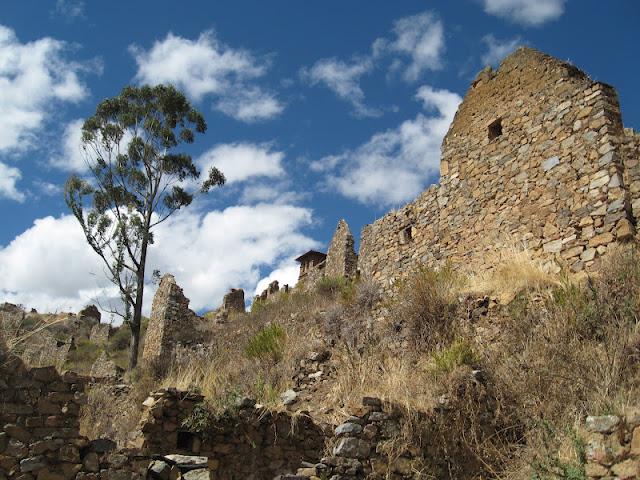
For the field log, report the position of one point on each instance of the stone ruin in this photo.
(536, 157)
(340, 260)
(232, 302)
(171, 322)
(271, 292)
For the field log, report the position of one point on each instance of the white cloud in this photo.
(498, 49)
(420, 37)
(241, 161)
(34, 77)
(275, 193)
(71, 9)
(344, 80)
(50, 267)
(47, 188)
(250, 104)
(395, 165)
(526, 12)
(9, 176)
(206, 66)
(286, 274)
(70, 156)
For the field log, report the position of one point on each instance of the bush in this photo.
(426, 307)
(120, 339)
(447, 359)
(367, 294)
(331, 286)
(268, 343)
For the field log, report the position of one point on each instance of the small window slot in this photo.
(495, 129)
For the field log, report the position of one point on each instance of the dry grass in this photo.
(248, 358)
(515, 270)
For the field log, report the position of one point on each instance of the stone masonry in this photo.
(171, 319)
(342, 260)
(234, 300)
(613, 446)
(537, 156)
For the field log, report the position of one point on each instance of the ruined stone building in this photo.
(536, 157)
(171, 322)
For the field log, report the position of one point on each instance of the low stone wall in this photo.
(613, 447)
(40, 438)
(245, 443)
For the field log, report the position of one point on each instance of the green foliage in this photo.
(455, 355)
(82, 357)
(551, 467)
(264, 391)
(199, 421)
(267, 344)
(120, 339)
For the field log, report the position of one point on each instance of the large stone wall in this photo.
(533, 157)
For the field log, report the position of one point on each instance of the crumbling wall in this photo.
(100, 333)
(171, 322)
(342, 260)
(234, 300)
(533, 157)
(40, 437)
(248, 442)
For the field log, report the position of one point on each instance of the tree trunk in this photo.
(137, 309)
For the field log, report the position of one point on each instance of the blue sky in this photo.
(316, 111)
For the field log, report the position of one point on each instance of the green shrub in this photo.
(120, 339)
(455, 355)
(199, 421)
(268, 343)
(331, 286)
(82, 357)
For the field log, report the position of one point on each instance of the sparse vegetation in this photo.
(267, 344)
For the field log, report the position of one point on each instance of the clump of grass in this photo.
(447, 359)
(267, 344)
(515, 271)
(331, 286)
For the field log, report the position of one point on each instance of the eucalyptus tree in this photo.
(137, 179)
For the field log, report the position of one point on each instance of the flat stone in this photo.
(350, 447)
(602, 424)
(159, 470)
(553, 247)
(627, 470)
(348, 429)
(32, 464)
(200, 474)
(289, 397)
(186, 460)
(549, 163)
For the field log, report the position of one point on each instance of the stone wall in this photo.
(248, 442)
(613, 447)
(171, 322)
(631, 157)
(342, 260)
(40, 438)
(533, 157)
